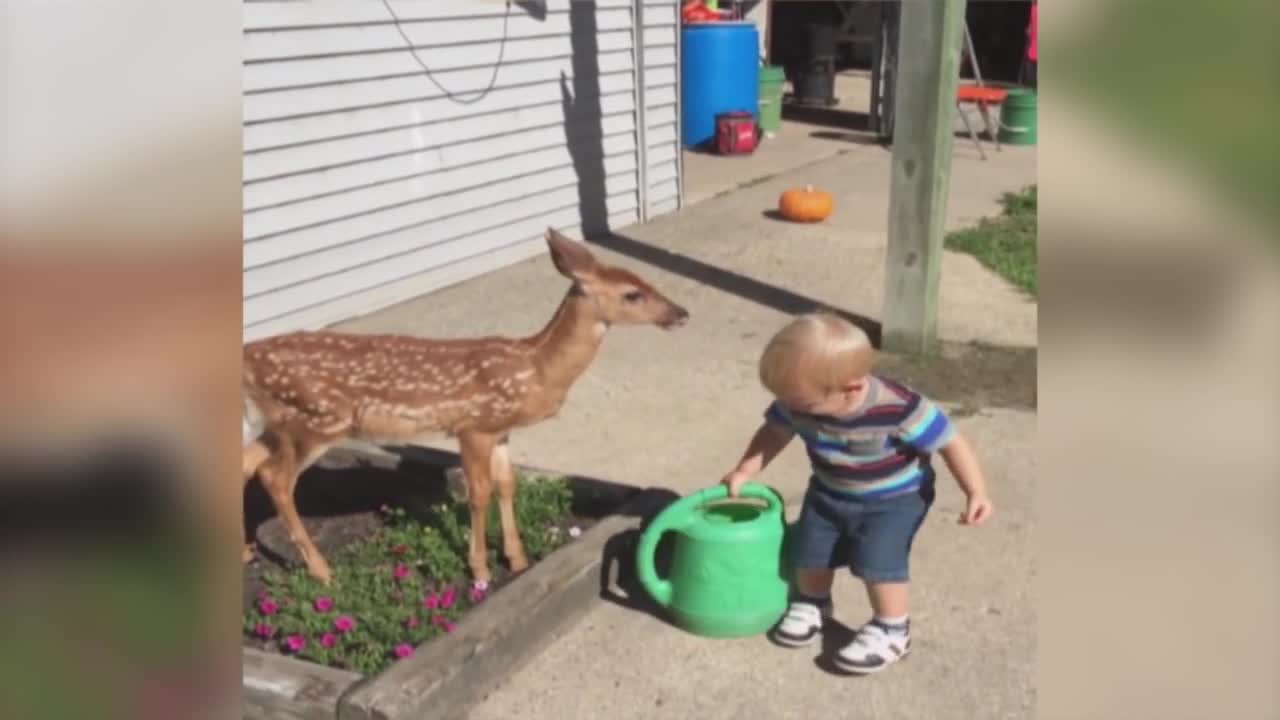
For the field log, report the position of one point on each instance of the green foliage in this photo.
(401, 587)
(1006, 244)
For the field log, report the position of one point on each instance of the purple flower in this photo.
(267, 606)
(431, 601)
(403, 650)
(401, 572)
(322, 604)
(328, 640)
(447, 598)
(478, 593)
(344, 623)
(295, 643)
(263, 630)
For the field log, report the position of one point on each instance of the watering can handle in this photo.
(677, 515)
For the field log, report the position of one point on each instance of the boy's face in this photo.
(840, 402)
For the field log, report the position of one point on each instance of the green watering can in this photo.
(726, 575)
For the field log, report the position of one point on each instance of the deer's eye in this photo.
(633, 296)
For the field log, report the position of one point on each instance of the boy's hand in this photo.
(977, 510)
(734, 481)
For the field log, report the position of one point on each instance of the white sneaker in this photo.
(875, 647)
(801, 625)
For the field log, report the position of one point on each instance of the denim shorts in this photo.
(871, 537)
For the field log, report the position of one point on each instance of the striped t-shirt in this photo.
(874, 452)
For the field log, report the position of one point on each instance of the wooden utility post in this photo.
(928, 58)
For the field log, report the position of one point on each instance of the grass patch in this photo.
(402, 586)
(1005, 244)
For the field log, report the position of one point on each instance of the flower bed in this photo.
(403, 584)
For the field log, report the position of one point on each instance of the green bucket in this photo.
(1018, 117)
(772, 79)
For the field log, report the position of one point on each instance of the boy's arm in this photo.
(929, 430)
(765, 445)
(963, 464)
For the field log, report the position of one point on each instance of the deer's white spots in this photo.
(523, 375)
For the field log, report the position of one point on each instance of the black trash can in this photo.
(814, 78)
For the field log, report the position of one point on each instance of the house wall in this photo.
(368, 182)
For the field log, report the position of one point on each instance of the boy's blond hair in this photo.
(815, 355)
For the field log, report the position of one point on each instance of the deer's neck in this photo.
(566, 346)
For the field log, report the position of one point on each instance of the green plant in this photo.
(1006, 244)
(400, 587)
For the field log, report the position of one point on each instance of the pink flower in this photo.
(447, 598)
(295, 643)
(263, 630)
(448, 626)
(403, 650)
(268, 607)
(328, 640)
(443, 623)
(322, 604)
(478, 593)
(401, 572)
(411, 622)
(431, 601)
(399, 549)
(262, 594)
(344, 623)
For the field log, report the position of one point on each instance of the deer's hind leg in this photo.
(504, 480)
(279, 475)
(251, 458)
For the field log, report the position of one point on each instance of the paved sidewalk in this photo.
(674, 410)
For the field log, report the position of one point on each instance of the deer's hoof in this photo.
(518, 564)
(322, 573)
(246, 555)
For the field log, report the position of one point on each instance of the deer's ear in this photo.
(572, 259)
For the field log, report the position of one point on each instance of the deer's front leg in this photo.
(477, 452)
(505, 480)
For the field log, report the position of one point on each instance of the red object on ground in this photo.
(695, 11)
(736, 133)
(1032, 31)
(981, 94)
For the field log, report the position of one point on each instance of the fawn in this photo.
(308, 391)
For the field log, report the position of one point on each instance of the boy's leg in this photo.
(815, 582)
(889, 600)
(881, 560)
(814, 540)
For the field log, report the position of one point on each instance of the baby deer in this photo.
(308, 391)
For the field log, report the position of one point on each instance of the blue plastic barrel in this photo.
(719, 72)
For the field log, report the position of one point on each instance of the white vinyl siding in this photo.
(365, 183)
(662, 70)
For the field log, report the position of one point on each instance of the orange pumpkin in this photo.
(805, 205)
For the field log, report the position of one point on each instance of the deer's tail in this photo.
(253, 426)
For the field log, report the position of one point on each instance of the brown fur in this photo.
(316, 389)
